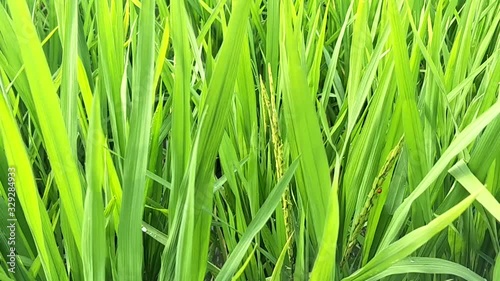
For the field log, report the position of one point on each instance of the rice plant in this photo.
(249, 140)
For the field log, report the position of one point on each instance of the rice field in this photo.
(179, 140)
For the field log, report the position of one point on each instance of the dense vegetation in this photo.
(249, 140)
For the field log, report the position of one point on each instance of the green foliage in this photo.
(250, 139)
